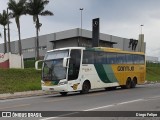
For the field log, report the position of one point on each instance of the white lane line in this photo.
(63, 115)
(99, 107)
(130, 101)
(112, 105)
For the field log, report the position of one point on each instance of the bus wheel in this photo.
(63, 93)
(85, 87)
(134, 82)
(128, 83)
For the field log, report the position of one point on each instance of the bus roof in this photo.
(66, 48)
(105, 49)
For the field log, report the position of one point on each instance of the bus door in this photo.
(74, 68)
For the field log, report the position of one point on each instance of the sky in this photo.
(121, 18)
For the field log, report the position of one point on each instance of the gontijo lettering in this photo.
(125, 68)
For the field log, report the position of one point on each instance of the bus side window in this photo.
(141, 59)
(111, 58)
(100, 58)
(136, 59)
(121, 58)
(88, 57)
(129, 58)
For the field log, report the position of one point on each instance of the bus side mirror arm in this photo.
(65, 62)
(36, 64)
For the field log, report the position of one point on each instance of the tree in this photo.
(36, 8)
(18, 9)
(4, 20)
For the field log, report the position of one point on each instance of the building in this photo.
(69, 38)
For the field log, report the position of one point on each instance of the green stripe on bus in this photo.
(101, 73)
(110, 73)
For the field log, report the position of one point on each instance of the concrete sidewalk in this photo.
(24, 94)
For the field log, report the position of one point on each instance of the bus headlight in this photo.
(42, 83)
(62, 83)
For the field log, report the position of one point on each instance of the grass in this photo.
(153, 74)
(17, 80)
(31, 64)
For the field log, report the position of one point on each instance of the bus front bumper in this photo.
(58, 88)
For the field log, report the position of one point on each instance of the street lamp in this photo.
(141, 28)
(81, 9)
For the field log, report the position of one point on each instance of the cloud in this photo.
(118, 17)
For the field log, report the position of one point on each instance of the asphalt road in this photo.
(142, 98)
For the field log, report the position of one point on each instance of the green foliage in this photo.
(18, 9)
(150, 64)
(17, 80)
(31, 64)
(36, 8)
(153, 74)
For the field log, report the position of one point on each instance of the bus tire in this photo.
(63, 93)
(128, 83)
(134, 82)
(85, 87)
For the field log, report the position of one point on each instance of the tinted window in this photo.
(111, 58)
(88, 57)
(100, 58)
(139, 59)
(56, 54)
(136, 59)
(121, 58)
(129, 58)
(74, 64)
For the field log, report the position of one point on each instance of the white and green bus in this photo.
(82, 69)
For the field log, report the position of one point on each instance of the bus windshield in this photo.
(53, 69)
(57, 54)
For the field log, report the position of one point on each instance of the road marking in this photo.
(152, 98)
(112, 105)
(99, 107)
(130, 101)
(60, 116)
(15, 106)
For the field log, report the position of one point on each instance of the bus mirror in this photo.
(37, 63)
(65, 61)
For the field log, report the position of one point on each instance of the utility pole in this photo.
(81, 9)
(9, 42)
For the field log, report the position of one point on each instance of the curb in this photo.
(24, 94)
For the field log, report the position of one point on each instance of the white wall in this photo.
(15, 61)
